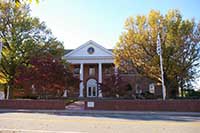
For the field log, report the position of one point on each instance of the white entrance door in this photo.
(91, 88)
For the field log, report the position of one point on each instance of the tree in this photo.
(180, 42)
(19, 2)
(22, 37)
(45, 76)
(115, 86)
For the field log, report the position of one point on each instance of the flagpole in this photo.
(1, 46)
(159, 52)
(162, 76)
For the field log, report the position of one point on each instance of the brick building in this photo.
(93, 64)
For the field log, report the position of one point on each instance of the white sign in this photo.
(90, 104)
(151, 88)
(2, 96)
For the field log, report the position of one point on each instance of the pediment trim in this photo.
(89, 43)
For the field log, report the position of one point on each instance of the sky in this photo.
(74, 22)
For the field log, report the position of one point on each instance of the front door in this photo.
(91, 88)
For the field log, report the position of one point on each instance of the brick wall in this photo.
(32, 104)
(146, 105)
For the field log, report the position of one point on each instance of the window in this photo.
(91, 71)
(138, 90)
(94, 91)
(33, 89)
(127, 71)
(76, 70)
(152, 88)
(89, 91)
(108, 69)
(90, 50)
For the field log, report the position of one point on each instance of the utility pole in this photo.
(159, 52)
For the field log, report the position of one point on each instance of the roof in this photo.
(69, 52)
(66, 51)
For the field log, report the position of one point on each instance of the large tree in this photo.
(22, 36)
(180, 42)
(19, 2)
(45, 76)
(116, 85)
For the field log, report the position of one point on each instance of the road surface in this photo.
(20, 122)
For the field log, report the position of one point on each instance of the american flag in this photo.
(158, 50)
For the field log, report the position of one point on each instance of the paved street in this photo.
(66, 122)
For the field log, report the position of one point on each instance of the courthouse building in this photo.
(92, 64)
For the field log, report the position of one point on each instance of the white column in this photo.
(65, 93)
(81, 86)
(116, 71)
(100, 80)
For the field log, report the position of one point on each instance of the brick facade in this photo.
(134, 80)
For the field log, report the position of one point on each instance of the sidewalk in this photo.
(99, 112)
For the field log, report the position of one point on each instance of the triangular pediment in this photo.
(89, 49)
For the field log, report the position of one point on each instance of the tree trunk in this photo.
(5, 92)
(171, 87)
(181, 86)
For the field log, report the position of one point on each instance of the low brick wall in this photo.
(32, 104)
(144, 105)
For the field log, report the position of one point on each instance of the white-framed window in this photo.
(138, 90)
(76, 70)
(33, 89)
(92, 71)
(152, 88)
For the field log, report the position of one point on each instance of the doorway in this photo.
(91, 88)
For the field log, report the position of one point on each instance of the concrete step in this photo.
(78, 105)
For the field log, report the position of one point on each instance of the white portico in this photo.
(91, 54)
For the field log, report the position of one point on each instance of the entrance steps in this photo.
(78, 105)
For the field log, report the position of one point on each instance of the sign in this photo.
(90, 104)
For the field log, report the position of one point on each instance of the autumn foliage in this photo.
(180, 42)
(46, 76)
(116, 87)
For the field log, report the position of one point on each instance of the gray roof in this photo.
(111, 50)
(66, 51)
